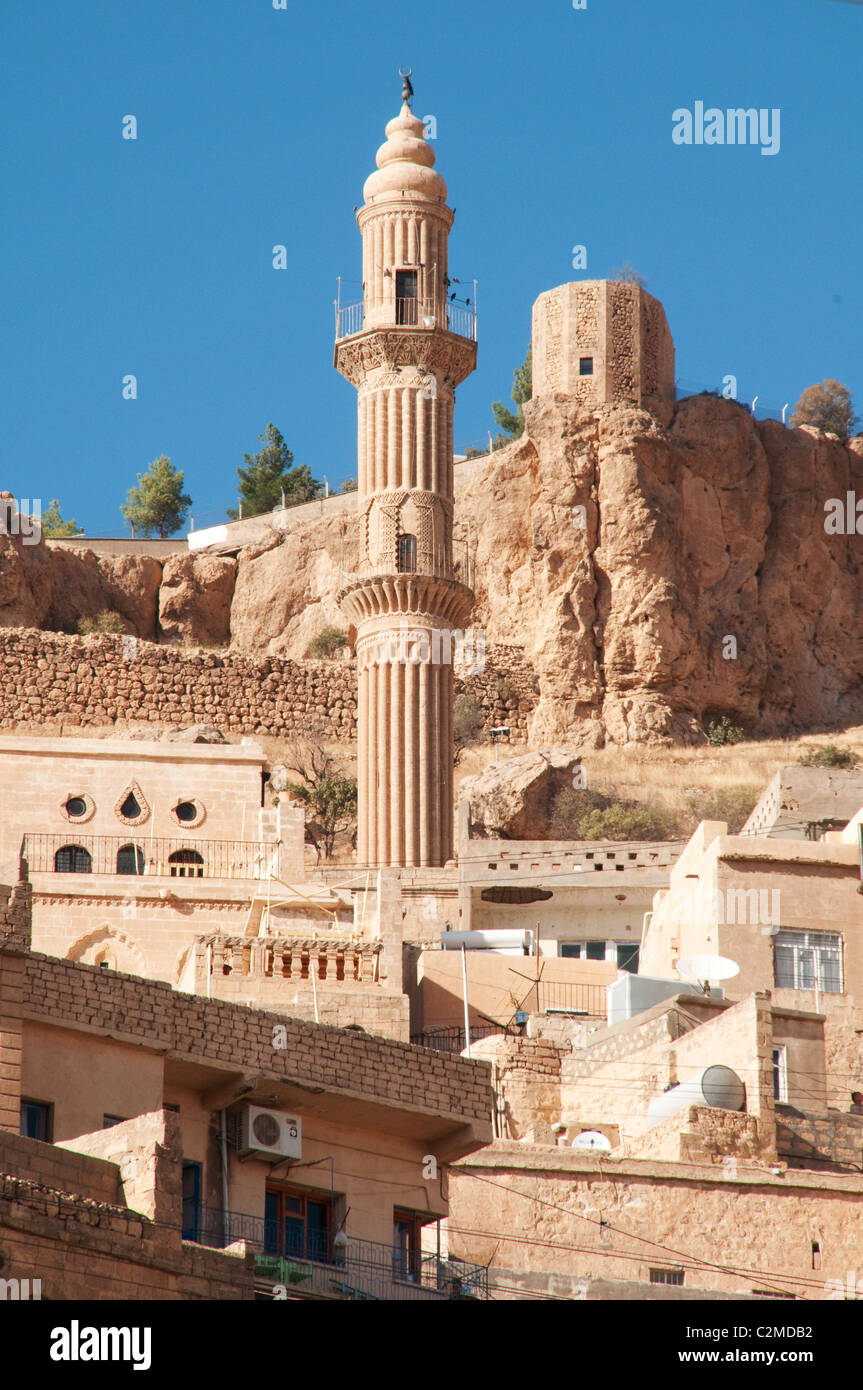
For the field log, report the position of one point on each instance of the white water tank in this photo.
(504, 940)
(717, 1086)
(632, 994)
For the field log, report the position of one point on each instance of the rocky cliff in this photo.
(656, 577)
(652, 577)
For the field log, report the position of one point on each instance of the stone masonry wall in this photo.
(64, 1222)
(834, 1143)
(528, 1084)
(153, 1014)
(51, 679)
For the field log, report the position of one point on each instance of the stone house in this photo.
(157, 1145)
(789, 913)
(616, 1158)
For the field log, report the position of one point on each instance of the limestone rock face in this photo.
(286, 589)
(42, 586)
(195, 733)
(654, 577)
(25, 583)
(84, 584)
(514, 799)
(195, 599)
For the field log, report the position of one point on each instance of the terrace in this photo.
(352, 1270)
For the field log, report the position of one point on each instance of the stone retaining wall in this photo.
(49, 679)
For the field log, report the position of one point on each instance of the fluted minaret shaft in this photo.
(407, 597)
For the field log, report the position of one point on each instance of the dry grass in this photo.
(685, 785)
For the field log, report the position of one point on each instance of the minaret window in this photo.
(585, 366)
(406, 296)
(407, 554)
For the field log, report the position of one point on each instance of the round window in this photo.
(186, 811)
(76, 806)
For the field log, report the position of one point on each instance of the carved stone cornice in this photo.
(121, 900)
(382, 595)
(407, 379)
(427, 350)
(394, 497)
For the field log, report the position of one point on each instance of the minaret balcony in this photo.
(410, 314)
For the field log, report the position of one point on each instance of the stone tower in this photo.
(606, 342)
(405, 347)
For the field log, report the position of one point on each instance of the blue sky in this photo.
(258, 126)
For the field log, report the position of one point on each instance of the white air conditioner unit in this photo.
(269, 1133)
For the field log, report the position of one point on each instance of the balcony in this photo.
(459, 319)
(361, 1270)
(331, 961)
(133, 856)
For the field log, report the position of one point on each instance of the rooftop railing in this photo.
(449, 1038)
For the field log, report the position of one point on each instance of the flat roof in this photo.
(132, 749)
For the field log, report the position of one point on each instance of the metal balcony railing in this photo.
(349, 320)
(362, 1269)
(566, 997)
(132, 856)
(449, 1038)
(406, 313)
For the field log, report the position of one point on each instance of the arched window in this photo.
(73, 859)
(130, 859)
(186, 863)
(407, 554)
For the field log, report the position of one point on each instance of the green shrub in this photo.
(106, 621)
(619, 822)
(829, 756)
(468, 721)
(569, 809)
(722, 731)
(734, 805)
(327, 643)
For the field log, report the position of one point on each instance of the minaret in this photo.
(405, 348)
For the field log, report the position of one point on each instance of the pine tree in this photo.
(158, 504)
(512, 423)
(270, 473)
(54, 525)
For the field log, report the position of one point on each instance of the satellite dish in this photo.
(707, 968)
(592, 1139)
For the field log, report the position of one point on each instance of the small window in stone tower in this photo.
(407, 554)
(585, 366)
(406, 296)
